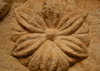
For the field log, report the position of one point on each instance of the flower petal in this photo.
(49, 58)
(27, 46)
(34, 64)
(24, 23)
(51, 12)
(66, 18)
(30, 17)
(83, 37)
(73, 25)
(83, 34)
(72, 46)
(27, 37)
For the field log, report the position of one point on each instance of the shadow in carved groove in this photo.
(49, 44)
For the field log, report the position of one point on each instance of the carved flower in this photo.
(49, 44)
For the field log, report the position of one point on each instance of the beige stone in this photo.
(45, 35)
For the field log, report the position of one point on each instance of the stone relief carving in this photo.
(51, 42)
(5, 6)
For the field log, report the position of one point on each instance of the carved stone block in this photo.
(49, 35)
(49, 44)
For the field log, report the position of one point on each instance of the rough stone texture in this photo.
(15, 36)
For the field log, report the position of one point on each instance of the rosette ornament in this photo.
(50, 44)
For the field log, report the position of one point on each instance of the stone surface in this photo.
(45, 35)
